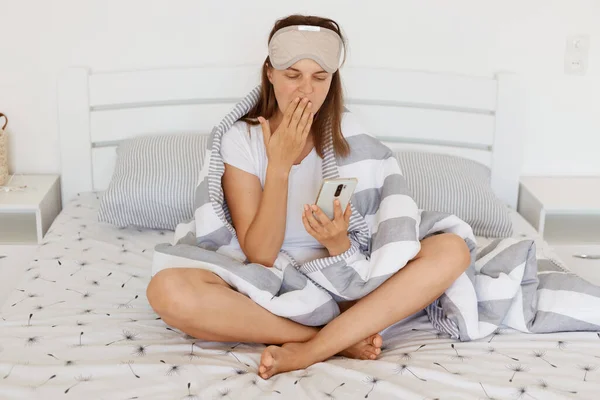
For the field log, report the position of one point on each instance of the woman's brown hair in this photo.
(333, 106)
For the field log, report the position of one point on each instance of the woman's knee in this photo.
(162, 289)
(169, 290)
(449, 247)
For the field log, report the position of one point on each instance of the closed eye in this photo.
(319, 78)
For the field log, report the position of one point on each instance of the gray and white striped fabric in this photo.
(501, 286)
(456, 185)
(142, 191)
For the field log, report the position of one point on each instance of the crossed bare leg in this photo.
(368, 348)
(179, 296)
(409, 290)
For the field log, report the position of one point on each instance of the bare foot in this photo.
(289, 357)
(294, 356)
(366, 349)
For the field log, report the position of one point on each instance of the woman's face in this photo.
(305, 78)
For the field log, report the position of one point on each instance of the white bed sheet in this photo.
(79, 326)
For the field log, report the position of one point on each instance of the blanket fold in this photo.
(505, 285)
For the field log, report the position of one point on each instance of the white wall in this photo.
(40, 38)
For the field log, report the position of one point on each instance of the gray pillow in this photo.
(155, 176)
(154, 180)
(458, 186)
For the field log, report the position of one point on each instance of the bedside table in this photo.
(588, 269)
(26, 215)
(562, 209)
(566, 213)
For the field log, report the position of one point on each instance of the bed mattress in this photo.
(79, 326)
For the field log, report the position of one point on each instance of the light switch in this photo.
(576, 54)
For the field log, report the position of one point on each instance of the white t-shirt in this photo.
(248, 153)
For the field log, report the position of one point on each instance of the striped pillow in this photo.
(154, 181)
(458, 186)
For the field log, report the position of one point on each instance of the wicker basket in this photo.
(3, 151)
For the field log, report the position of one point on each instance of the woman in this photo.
(273, 159)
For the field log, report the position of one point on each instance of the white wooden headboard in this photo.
(474, 117)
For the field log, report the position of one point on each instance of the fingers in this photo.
(314, 221)
(289, 111)
(348, 213)
(266, 128)
(337, 210)
(307, 226)
(320, 215)
(297, 116)
(305, 121)
(306, 131)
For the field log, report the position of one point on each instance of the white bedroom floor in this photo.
(12, 267)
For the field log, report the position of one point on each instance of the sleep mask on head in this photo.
(293, 43)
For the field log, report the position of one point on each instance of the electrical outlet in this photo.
(576, 54)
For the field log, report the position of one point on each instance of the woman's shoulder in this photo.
(237, 129)
(239, 147)
(242, 130)
(242, 137)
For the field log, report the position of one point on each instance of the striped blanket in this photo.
(505, 285)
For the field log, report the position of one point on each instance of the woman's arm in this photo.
(258, 215)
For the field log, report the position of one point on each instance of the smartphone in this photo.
(331, 189)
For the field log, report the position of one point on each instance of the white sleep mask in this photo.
(293, 43)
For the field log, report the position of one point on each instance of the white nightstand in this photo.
(25, 216)
(566, 213)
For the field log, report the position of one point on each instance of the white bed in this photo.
(80, 317)
(79, 324)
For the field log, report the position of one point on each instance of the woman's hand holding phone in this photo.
(333, 234)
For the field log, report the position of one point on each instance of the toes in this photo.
(377, 340)
(266, 361)
(266, 372)
(369, 340)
